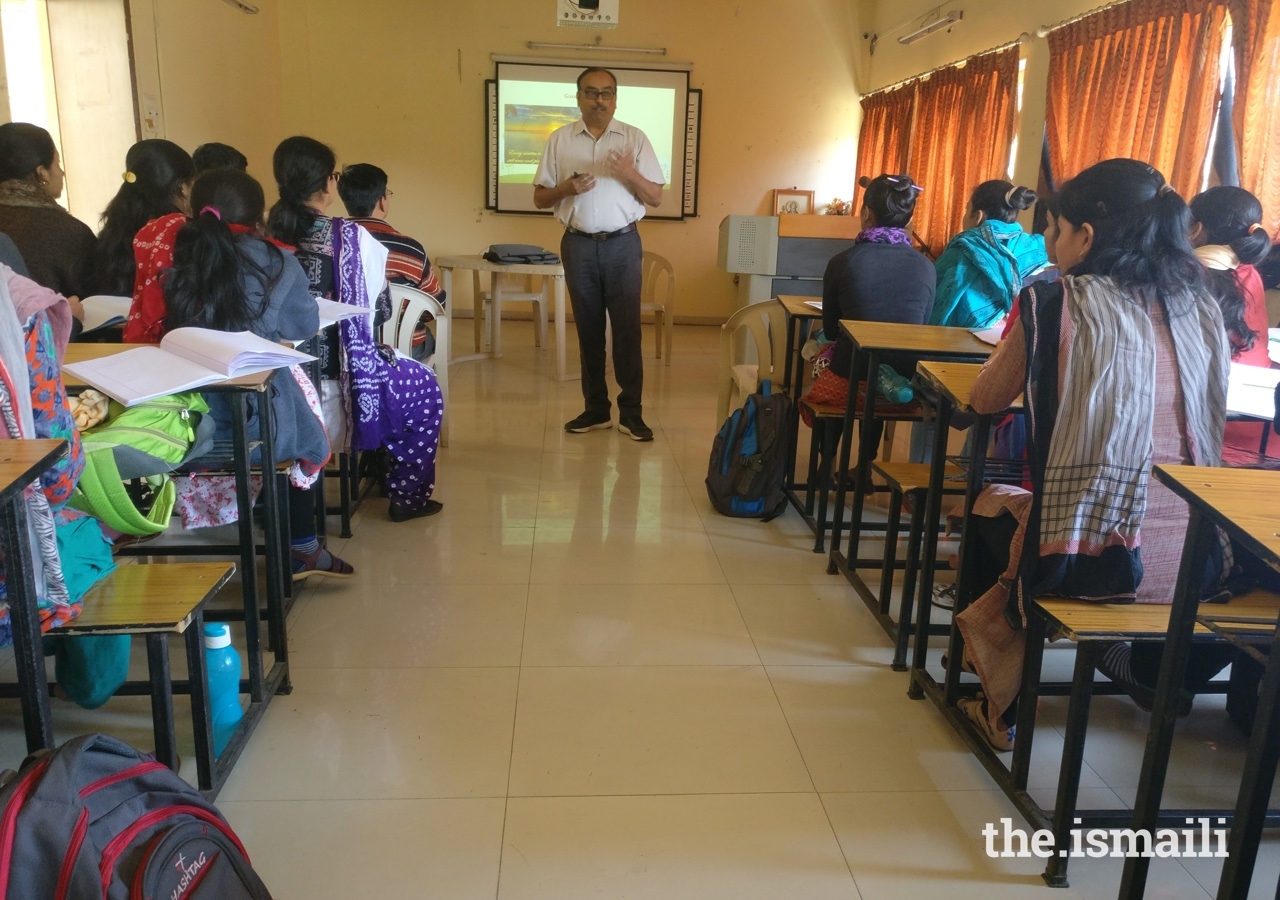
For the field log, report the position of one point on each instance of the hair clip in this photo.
(129, 177)
(1164, 189)
(213, 211)
(1256, 226)
(1008, 197)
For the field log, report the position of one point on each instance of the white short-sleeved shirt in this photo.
(609, 205)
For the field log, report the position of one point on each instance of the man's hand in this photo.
(622, 168)
(545, 197)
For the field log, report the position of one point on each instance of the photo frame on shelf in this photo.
(792, 202)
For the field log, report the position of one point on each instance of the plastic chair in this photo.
(508, 287)
(766, 322)
(657, 295)
(408, 306)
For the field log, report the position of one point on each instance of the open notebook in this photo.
(186, 358)
(1251, 391)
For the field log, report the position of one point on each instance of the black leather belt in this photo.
(602, 235)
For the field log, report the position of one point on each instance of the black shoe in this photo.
(588, 422)
(398, 513)
(634, 428)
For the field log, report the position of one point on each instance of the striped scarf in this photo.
(1093, 473)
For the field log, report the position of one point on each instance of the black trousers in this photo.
(604, 277)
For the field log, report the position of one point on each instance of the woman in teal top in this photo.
(983, 268)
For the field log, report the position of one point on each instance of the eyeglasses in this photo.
(592, 94)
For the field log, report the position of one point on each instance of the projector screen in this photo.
(533, 100)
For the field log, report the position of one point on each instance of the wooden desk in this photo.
(21, 463)
(870, 340)
(798, 311)
(478, 264)
(1242, 502)
(262, 683)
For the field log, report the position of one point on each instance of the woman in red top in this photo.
(1230, 241)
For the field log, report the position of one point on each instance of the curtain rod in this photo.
(1046, 30)
(959, 62)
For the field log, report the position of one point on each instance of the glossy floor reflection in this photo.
(579, 681)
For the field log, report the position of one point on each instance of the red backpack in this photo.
(97, 818)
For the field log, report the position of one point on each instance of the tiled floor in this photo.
(579, 681)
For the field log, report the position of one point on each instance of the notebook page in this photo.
(142, 374)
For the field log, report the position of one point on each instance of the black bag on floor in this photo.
(749, 457)
(96, 818)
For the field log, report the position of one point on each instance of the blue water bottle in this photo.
(222, 663)
(892, 386)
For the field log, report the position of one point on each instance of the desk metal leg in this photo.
(1255, 786)
(842, 481)
(162, 699)
(932, 509)
(201, 714)
(37, 719)
(973, 487)
(248, 560)
(866, 452)
(274, 553)
(789, 371)
(1064, 808)
(1201, 536)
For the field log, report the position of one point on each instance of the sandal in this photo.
(975, 709)
(321, 562)
(966, 664)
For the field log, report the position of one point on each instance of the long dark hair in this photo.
(155, 172)
(23, 149)
(1139, 229)
(1000, 201)
(206, 286)
(1232, 216)
(302, 167)
(891, 199)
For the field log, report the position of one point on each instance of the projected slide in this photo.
(535, 100)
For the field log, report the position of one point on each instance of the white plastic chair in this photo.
(658, 295)
(408, 306)
(511, 287)
(766, 323)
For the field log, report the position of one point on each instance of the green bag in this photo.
(147, 442)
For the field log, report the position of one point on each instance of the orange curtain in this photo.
(964, 126)
(1137, 80)
(1256, 30)
(886, 132)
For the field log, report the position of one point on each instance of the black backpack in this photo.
(749, 457)
(97, 818)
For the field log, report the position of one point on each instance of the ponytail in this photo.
(302, 167)
(1232, 217)
(1140, 227)
(1001, 201)
(207, 286)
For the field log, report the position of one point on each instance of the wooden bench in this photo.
(157, 601)
(906, 480)
(1093, 626)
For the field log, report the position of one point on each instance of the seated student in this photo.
(386, 401)
(72, 553)
(984, 267)
(1230, 240)
(363, 189)
(155, 183)
(56, 246)
(222, 274)
(1134, 299)
(218, 156)
(881, 278)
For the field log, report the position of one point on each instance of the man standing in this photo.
(599, 174)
